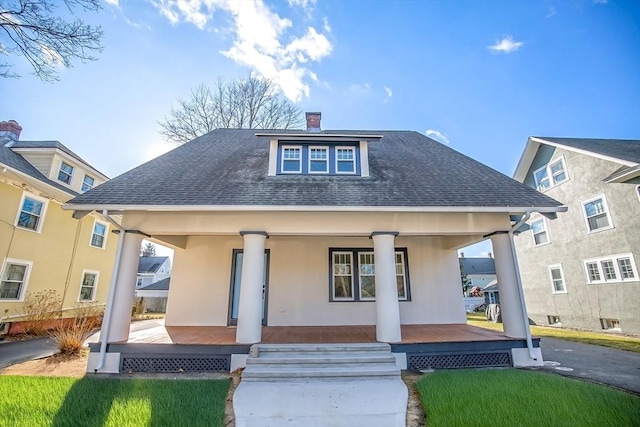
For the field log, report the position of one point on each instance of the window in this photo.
(318, 160)
(347, 286)
(65, 173)
(345, 160)
(99, 235)
(539, 230)
(14, 278)
(88, 286)
(557, 279)
(553, 320)
(612, 268)
(291, 159)
(31, 213)
(610, 324)
(87, 183)
(550, 175)
(139, 283)
(638, 191)
(596, 214)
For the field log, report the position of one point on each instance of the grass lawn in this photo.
(608, 340)
(49, 401)
(512, 397)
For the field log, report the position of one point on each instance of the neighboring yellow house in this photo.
(41, 246)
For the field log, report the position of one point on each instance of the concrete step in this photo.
(321, 359)
(265, 349)
(319, 374)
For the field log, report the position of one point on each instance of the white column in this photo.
(387, 308)
(125, 287)
(249, 328)
(510, 306)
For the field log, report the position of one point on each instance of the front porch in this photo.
(213, 348)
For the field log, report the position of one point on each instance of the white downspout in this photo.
(106, 324)
(525, 316)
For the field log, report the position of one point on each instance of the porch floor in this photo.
(222, 335)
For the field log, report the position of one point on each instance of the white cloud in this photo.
(506, 45)
(261, 40)
(552, 11)
(600, 1)
(325, 25)
(359, 89)
(50, 56)
(389, 94)
(302, 3)
(112, 2)
(438, 136)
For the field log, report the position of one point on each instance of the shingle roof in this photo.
(160, 285)
(623, 149)
(229, 167)
(478, 265)
(53, 144)
(150, 264)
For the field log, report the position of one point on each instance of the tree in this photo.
(46, 41)
(149, 249)
(466, 282)
(250, 103)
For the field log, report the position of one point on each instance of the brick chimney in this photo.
(9, 131)
(313, 122)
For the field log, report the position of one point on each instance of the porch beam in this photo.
(387, 307)
(249, 329)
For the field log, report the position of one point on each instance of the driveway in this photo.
(618, 368)
(20, 351)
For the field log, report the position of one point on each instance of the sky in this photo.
(478, 76)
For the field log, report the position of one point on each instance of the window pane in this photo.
(15, 272)
(537, 226)
(555, 274)
(291, 166)
(342, 287)
(28, 221)
(626, 270)
(10, 290)
(342, 278)
(400, 284)
(344, 154)
(99, 229)
(558, 178)
(541, 238)
(592, 269)
(594, 208)
(542, 179)
(86, 294)
(368, 286)
(344, 166)
(87, 183)
(599, 221)
(558, 285)
(32, 206)
(89, 280)
(608, 270)
(556, 167)
(318, 166)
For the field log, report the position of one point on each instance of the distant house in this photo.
(480, 271)
(43, 247)
(491, 293)
(153, 297)
(152, 269)
(581, 270)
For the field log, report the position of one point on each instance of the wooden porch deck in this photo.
(222, 335)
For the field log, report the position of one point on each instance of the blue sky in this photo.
(480, 76)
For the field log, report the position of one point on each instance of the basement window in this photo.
(553, 320)
(610, 324)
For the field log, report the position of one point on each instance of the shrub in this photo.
(73, 332)
(40, 309)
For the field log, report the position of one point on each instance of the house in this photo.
(43, 247)
(152, 269)
(153, 297)
(480, 271)
(315, 236)
(491, 294)
(581, 270)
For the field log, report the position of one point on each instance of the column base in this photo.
(522, 359)
(111, 363)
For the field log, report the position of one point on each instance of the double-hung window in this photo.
(318, 159)
(539, 229)
(14, 278)
(596, 214)
(291, 159)
(88, 286)
(557, 279)
(65, 173)
(353, 275)
(99, 235)
(551, 174)
(612, 268)
(31, 213)
(87, 183)
(345, 160)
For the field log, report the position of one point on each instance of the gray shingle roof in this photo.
(160, 285)
(229, 167)
(623, 149)
(478, 265)
(53, 144)
(150, 264)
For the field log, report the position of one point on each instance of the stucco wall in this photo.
(299, 282)
(584, 304)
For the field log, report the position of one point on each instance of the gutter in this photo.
(106, 324)
(525, 316)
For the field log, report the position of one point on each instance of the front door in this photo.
(236, 279)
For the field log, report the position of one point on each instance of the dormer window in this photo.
(311, 159)
(551, 175)
(65, 173)
(87, 183)
(291, 159)
(318, 159)
(345, 160)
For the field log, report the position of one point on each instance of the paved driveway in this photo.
(606, 365)
(21, 351)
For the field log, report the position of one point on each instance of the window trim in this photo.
(106, 234)
(549, 174)
(355, 276)
(95, 285)
(353, 150)
(282, 159)
(84, 181)
(606, 211)
(553, 285)
(45, 204)
(545, 231)
(25, 281)
(62, 162)
(323, 147)
(616, 265)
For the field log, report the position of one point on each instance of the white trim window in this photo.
(342, 272)
(99, 234)
(87, 183)
(552, 174)
(88, 286)
(65, 173)
(611, 269)
(558, 285)
(291, 159)
(401, 279)
(345, 160)
(31, 213)
(14, 279)
(367, 276)
(539, 231)
(596, 214)
(318, 159)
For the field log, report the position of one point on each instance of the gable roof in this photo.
(623, 151)
(484, 265)
(160, 285)
(228, 168)
(150, 264)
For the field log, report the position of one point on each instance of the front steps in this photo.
(340, 385)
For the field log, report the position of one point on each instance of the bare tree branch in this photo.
(250, 103)
(29, 29)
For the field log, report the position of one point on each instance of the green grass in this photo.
(511, 397)
(621, 342)
(49, 401)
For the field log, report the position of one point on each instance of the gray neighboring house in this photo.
(581, 270)
(153, 297)
(152, 269)
(479, 270)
